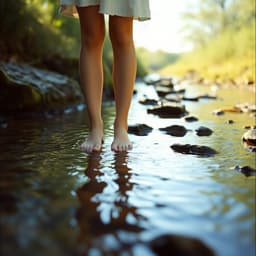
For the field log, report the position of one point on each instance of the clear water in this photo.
(57, 200)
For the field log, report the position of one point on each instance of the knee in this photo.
(92, 39)
(120, 38)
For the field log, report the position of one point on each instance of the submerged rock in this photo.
(186, 98)
(147, 101)
(249, 140)
(208, 97)
(28, 89)
(203, 131)
(175, 130)
(162, 90)
(169, 111)
(140, 129)
(193, 149)
(218, 112)
(191, 119)
(177, 245)
(246, 170)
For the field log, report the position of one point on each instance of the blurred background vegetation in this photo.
(221, 31)
(223, 36)
(34, 32)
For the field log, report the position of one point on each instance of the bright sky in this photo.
(162, 31)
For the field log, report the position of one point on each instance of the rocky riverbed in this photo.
(187, 187)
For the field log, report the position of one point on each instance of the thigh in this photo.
(91, 21)
(120, 27)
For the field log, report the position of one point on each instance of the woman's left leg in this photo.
(124, 74)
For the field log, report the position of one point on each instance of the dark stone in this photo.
(247, 127)
(230, 121)
(218, 112)
(203, 131)
(167, 82)
(246, 107)
(190, 98)
(140, 129)
(193, 150)
(147, 101)
(191, 119)
(28, 89)
(180, 91)
(208, 97)
(169, 111)
(249, 140)
(175, 130)
(246, 170)
(162, 91)
(177, 245)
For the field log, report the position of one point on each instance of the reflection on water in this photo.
(56, 200)
(107, 194)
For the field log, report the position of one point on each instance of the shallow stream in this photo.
(57, 200)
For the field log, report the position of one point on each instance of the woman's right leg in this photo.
(92, 27)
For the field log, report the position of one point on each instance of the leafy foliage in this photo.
(33, 31)
(223, 33)
(156, 60)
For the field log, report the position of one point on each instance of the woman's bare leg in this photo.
(124, 73)
(92, 28)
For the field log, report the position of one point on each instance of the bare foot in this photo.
(93, 142)
(121, 141)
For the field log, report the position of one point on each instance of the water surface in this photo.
(57, 200)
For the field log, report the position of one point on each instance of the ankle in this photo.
(120, 125)
(97, 125)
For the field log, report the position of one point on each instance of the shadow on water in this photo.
(56, 200)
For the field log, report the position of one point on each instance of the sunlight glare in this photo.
(162, 32)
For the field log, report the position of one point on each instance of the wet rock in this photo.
(162, 91)
(176, 245)
(166, 82)
(172, 98)
(246, 170)
(147, 101)
(169, 111)
(27, 89)
(152, 79)
(218, 112)
(247, 127)
(175, 130)
(249, 140)
(191, 119)
(208, 97)
(140, 129)
(193, 149)
(203, 131)
(190, 98)
(246, 107)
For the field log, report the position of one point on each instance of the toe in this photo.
(97, 148)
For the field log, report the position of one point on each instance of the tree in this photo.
(209, 18)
